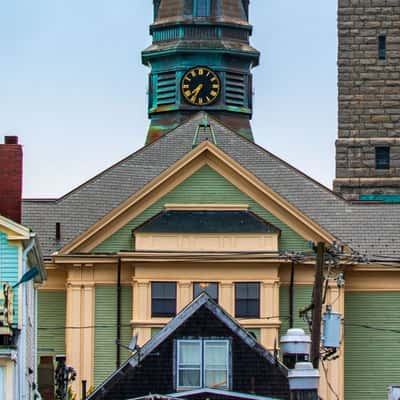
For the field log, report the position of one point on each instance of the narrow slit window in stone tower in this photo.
(382, 157)
(382, 47)
(201, 8)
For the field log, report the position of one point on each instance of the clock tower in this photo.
(200, 60)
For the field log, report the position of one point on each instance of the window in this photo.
(382, 157)
(201, 8)
(247, 300)
(203, 363)
(382, 47)
(163, 299)
(211, 288)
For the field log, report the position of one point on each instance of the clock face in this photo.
(200, 86)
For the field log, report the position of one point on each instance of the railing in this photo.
(199, 33)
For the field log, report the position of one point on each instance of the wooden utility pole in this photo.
(317, 305)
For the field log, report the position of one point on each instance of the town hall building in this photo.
(203, 208)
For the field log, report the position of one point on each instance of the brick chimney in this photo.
(11, 178)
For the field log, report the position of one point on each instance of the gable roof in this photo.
(372, 229)
(13, 230)
(203, 300)
(206, 153)
(17, 232)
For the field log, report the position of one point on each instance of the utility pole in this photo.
(317, 305)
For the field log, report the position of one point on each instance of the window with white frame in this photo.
(203, 363)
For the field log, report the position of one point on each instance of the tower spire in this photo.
(200, 60)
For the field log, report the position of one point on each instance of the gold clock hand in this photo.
(196, 92)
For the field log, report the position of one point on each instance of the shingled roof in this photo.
(371, 229)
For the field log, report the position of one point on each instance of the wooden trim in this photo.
(13, 230)
(84, 261)
(207, 207)
(204, 154)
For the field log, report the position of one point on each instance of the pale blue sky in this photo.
(73, 88)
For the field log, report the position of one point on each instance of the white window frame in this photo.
(227, 361)
(203, 362)
(178, 364)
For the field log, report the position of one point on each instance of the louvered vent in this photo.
(166, 88)
(235, 89)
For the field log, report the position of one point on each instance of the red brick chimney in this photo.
(11, 178)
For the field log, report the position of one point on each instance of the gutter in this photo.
(22, 374)
(32, 248)
(119, 316)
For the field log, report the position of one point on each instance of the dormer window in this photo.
(203, 363)
(201, 8)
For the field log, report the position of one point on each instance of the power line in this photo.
(331, 388)
(124, 325)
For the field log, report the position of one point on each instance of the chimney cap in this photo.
(10, 139)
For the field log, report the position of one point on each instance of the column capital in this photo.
(226, 283)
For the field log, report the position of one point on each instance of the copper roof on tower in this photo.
(224, 11)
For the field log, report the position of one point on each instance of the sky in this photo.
(73, 89)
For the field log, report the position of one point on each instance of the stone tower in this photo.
(200, 60)
(368, 147)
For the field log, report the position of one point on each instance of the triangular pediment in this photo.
(206, 154)
(13, 230)
(202, 308)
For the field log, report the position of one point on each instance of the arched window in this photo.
(201, 8)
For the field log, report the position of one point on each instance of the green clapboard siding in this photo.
(205, 186)
(302, 297)
(51, 322)
(106, 329)
(371, 356)
(9, 268)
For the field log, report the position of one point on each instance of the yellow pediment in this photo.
(205, 154)
(13, 230)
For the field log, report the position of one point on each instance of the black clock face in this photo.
(200, 86)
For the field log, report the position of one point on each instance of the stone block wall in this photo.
(369, 97)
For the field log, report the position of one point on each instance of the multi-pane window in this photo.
(247, 300)
(211, 288)
(201, 8)
(382, 47)
(163, 299)
(382, 157)
(189, 363)
(203, 363)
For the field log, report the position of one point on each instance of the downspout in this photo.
(291, 297)
(36, 341)
(23, 309)
(119, 298)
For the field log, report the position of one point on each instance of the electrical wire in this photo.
(375, 328)
(331, 388)
(45, 328)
